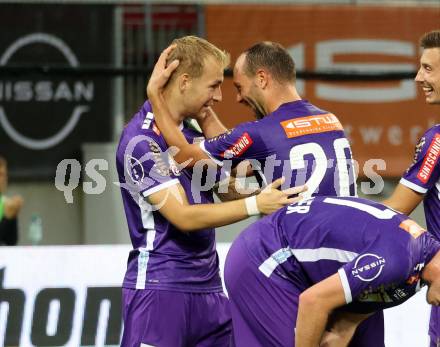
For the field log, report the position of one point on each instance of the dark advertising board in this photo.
(45, 117)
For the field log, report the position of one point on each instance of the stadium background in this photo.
(72, 73)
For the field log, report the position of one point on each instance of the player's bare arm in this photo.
(210, 123)
(174, 206)
(235, 184)
(341, 328)
(315, 306)
(173, 136)
(403, 199)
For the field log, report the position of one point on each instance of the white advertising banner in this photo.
(70, 296)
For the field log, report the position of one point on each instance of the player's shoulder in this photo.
(431, 135)
(432, 132)
(135, 134)
(141, 135)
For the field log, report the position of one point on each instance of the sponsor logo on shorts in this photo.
(430, 160)
(311, 125)
(239, 147)
(412, 227)
(368, 267)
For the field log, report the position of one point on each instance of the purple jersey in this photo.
(299, 141)
(423, 176)
(378, 253)
(163, 257)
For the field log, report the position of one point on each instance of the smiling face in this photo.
(248, 92)
(203, 91)
(428, 75)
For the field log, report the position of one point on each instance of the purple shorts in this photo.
(264, 312)
(160, 318)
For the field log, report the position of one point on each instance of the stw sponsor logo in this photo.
(430, 160)
(239, 147)
(311, 125)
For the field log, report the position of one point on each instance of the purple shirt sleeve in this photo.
(424, 172)
(378, 266)
(241, 143)
(148, 167)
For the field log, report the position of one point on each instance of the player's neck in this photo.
(281, 95)
(174, 106)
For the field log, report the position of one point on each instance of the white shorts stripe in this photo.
(143, 257)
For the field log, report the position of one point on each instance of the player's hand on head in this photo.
(271, 198)
(161, 73)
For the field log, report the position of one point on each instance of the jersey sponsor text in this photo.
(239, 147)
(311, 125)
(430, 160)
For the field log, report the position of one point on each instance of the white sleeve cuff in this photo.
(202, 146)
(413, 186)
(345, 285)
(161, 186)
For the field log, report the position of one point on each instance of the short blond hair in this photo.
(192, 52)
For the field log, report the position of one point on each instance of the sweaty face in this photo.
(248, 92)
(204, 91)
(428, 75)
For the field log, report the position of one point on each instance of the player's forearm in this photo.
(187, 153)
(195, 217)
(398, 205)
(403, 199)
(311, 322)
(211, 125)
(231, 189)
(331, 339)
(341, 328)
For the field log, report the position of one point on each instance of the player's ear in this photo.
(262, 78)
(184, 81)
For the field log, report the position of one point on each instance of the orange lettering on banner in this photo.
(430, 160)
(311, 125)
